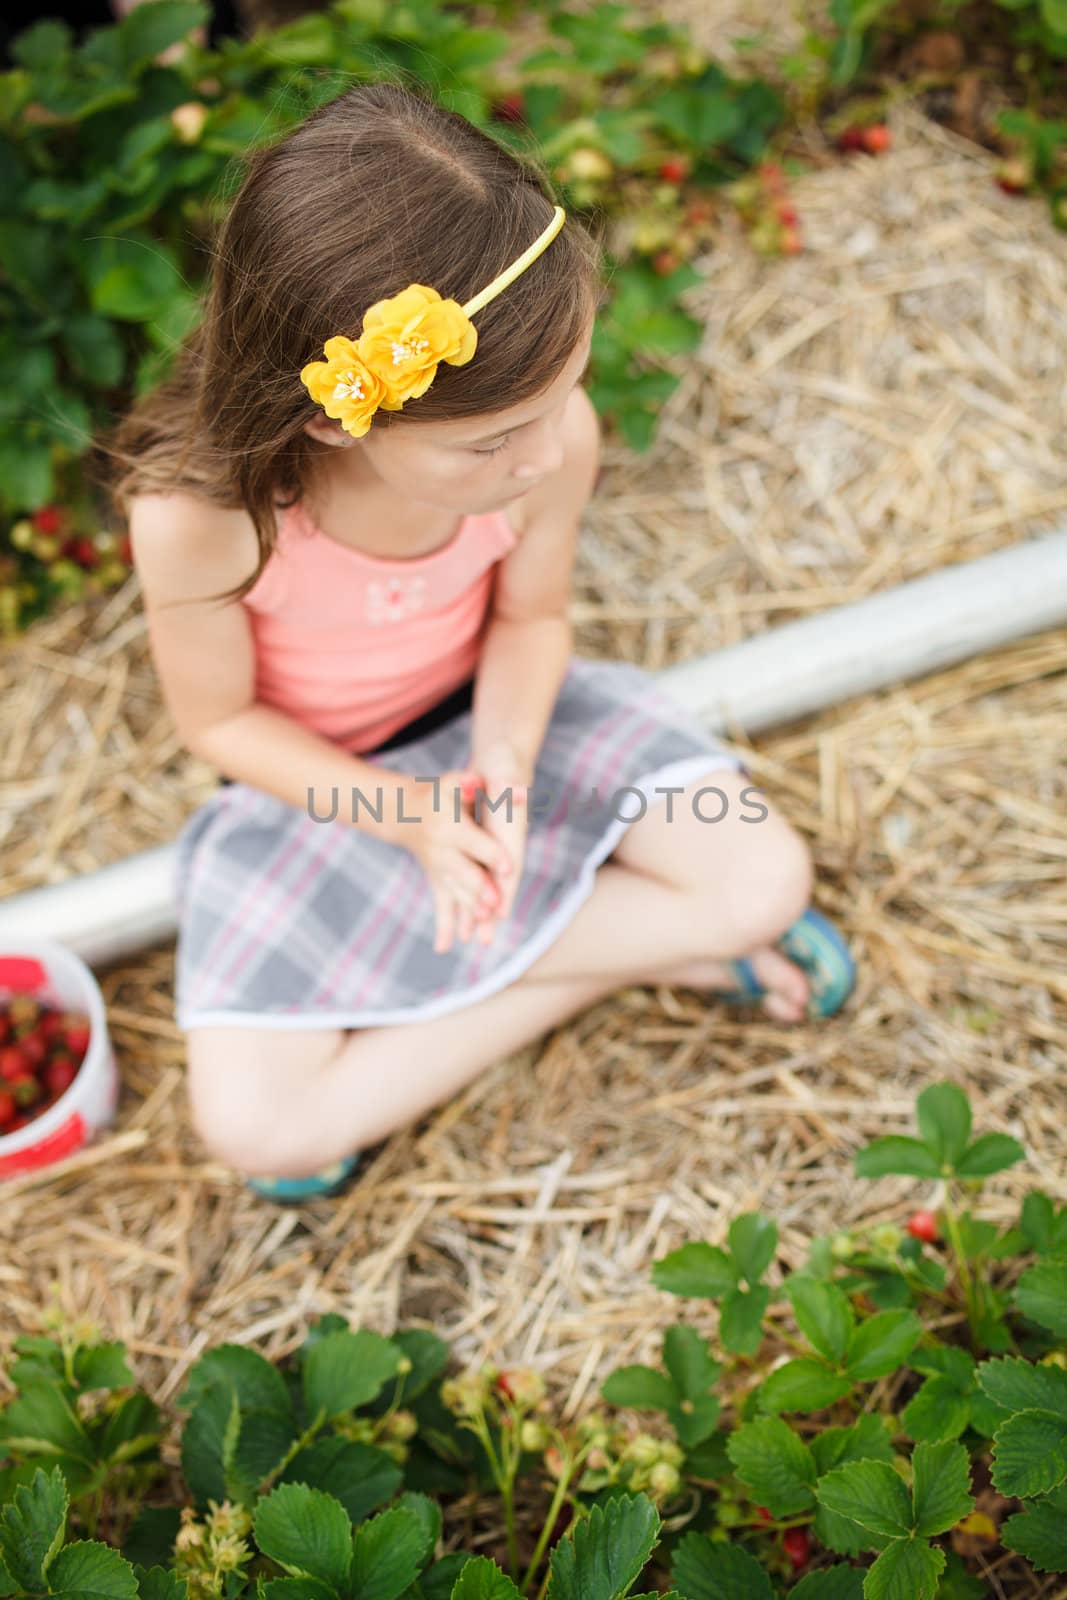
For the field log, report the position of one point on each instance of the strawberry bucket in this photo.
(55, 976)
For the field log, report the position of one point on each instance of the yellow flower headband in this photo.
(404, 339)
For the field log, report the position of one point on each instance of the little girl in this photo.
(354, 510)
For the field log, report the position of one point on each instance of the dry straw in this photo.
(890, 402)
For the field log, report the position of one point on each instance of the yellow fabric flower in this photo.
(344, 386)
(403, 341)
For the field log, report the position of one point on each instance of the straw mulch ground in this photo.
(888, 403)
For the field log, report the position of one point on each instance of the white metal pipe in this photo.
(784, 673)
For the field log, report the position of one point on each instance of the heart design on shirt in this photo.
(392, 599)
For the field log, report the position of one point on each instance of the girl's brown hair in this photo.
(380, 188)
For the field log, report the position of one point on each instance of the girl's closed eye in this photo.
(493, 450)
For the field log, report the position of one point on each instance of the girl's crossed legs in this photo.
(678, 899)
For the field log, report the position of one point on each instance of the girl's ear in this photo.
(327, 431)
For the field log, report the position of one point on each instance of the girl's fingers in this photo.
(445, 912)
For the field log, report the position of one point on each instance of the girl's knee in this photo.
(249, 1096)
(770, 883)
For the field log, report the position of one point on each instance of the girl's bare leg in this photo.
(288, 1102)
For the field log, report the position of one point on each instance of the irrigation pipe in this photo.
(787, 672)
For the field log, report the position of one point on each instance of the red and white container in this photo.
(55, 976)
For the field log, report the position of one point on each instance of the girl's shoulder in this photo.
(186, 547)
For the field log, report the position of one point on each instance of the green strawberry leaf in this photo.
(993, 1152)
(940, 1410)
(824, 1315)
(41, 1421)
(869, 1493)
(1030, 1453)
(643, 1388)
(88, 1570)
(896, 1153)
(753, 1240)
(941, 1487)
(159, 1583)
(306, 1532)
(741, 1319)
(1041, 1295)
(801, 1386)
(1040, 1533)
(907, 1570)
(865, 1440)
(701, 1570)
(360, 1476)
(943, 1113)
(32, 1526)
(259, 1386)
(832, 1583)
(387, 1554)
(345, 1370)
(482, 1579)
(607, 1551)
(1019, 1385)
(101, 1366)
(881, 1344)
(776, 1465)
(701, 1271)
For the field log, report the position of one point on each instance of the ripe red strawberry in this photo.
(851, 138)
(7, 1108)
(84, 551)
(792, 243)
(512, 108)
(13, 1063)
(77, 1039)
(19, 1120)
(59, 1074)
(797, 1546)
(923, 1225)
(126, 550)
(763, 1515)
(786, 213)
(876, 138)
(34, 1048)
(1014, 177)
(51, 1024)
(674, 170)
(49, 519)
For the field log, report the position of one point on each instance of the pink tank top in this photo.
(354, 646)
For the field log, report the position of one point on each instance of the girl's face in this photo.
(469, 467)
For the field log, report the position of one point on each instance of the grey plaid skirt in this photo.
(288, 920)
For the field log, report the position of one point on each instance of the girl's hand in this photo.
(502, 775)
(459, 857)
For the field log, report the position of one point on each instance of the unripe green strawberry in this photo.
(533, 1435)
(45, 546)
(22, 533)
(664, 1478)
(23, 1008)
(585, 162)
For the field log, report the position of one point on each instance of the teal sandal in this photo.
(293, 1191)
(819, 950)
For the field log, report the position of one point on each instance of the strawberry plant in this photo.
(834, 1432)
(119, 164)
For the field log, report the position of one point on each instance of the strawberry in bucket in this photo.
(58, 1079)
